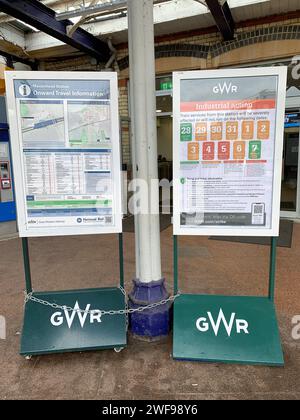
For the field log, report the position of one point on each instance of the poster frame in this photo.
(18, 161)
(273, 231)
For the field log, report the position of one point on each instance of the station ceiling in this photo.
(21, 36)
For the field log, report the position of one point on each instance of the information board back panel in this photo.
(228, 142)
(66, 152)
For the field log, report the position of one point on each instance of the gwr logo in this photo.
(222, 88)
(58, 318)
(203, 324)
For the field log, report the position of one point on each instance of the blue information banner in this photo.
(62, 89)
(292, 120)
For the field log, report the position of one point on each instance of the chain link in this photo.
(126, 306)
(127, 311)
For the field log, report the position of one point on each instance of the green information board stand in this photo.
(50, 327)
(227, 329)
(227, 165)
(67, 176)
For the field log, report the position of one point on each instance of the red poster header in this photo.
(227, 105)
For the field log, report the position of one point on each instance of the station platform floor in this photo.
(145, 370)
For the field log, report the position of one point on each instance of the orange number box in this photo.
(224, 150)
(239, 150)
(247, 130)
(193, 151)
(263, 130)
(232, 130)
(216, 131)
(208, 151)
(201, 132)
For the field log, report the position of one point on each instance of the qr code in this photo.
(108, 220)
(258, 209)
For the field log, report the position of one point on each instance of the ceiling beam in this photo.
(11, 57)
(43, 18)
(223, 18)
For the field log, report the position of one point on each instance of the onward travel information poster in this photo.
(68, 147)
(228, 137)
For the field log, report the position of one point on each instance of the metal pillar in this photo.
(121, 260)
(142, 89)
(272, 276)
(175, 263)
(27, 270)
(149, 285)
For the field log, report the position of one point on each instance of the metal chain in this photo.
(126, 306)
(126, 311)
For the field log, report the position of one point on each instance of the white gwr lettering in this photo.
(203, 324)
(57, 319)
(221, 88)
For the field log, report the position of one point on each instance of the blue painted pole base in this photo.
(151, 324)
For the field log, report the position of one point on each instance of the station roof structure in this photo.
(34, 30)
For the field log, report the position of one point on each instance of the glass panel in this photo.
(125, 143)
(290, 163)
(164, 104)
(293, 82)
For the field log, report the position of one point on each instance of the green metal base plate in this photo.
(47, 330)
(225, 329)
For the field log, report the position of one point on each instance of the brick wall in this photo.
(125, 124)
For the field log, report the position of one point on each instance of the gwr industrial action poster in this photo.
(228, 139)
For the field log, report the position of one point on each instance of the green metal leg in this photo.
(27, 265)
(175, 262)
(121, 260)
(272, 269)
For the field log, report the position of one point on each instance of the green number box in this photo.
(255, 150)
(186, 132)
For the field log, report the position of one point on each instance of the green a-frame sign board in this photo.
(227, 148)
(48, 329)
(230, 329)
